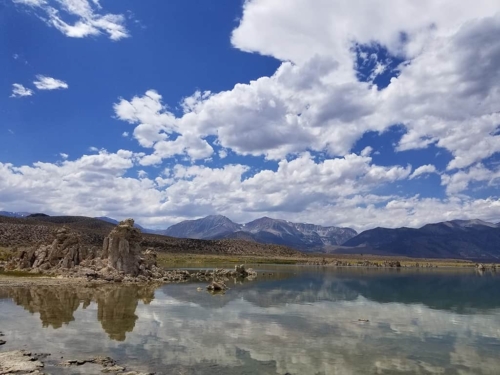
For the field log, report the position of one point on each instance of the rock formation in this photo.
(66, 251)
(122, 248)
(120, 260)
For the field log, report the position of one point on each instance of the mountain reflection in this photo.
(309, 321)
(458, 291)
(56, 305)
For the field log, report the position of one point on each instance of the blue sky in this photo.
(361, 115)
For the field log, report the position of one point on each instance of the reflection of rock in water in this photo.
(116, 305)
(55, 305)
(116, 309)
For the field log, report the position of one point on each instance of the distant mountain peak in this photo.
(305, 237)
(206, 227)
(14, 214)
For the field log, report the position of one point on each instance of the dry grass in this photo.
(179, 260)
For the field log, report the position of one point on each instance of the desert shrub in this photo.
(6, 254)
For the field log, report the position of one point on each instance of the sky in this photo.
(357, 114)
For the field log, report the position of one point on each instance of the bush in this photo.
(6, 254)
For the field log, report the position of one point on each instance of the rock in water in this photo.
(122, 247)
(217, 286)
(19, 361)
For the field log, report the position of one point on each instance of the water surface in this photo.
(300, 320)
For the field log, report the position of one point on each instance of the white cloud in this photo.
(367, 151)
(340, 189)
(424, 169)
(314, 101)
(19, 91)
(125, 134)
(460, 181)
(445, 94)
(89, 20)
(222, 153)
(63, 155)
(157, 128)
(49, 83)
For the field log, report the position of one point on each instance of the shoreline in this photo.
(11, 279)
(176, 260)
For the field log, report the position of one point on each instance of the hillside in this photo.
(459, 239)
(15, 232)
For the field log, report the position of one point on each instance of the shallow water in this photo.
(300, 320)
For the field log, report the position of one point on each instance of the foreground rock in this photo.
(121, 259)
(107, 364)
(20, 362)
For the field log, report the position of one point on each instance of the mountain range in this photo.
(14, 214)
(304, 237)
(458, 239)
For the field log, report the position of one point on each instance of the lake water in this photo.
(300, 320)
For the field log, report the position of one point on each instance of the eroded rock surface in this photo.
(122, 248)
(19, 362)
(65, 251)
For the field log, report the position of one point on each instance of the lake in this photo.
(296, 320)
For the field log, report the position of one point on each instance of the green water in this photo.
(297, 320)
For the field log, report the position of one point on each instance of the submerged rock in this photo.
(217, 286)
(19, 361)
(109, 365)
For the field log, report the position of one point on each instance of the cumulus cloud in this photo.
(18, 91)
(89, 20)
(157, 129)
(460, 181)
(424, 169)
(315, 101)
(49, 83)
(340, 188)
(445, 94)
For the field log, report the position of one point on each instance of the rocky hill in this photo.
(459, 239)
(304, 237)
(19, 232)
